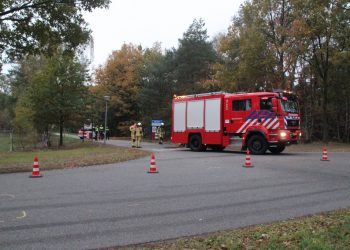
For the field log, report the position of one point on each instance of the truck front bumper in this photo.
(286, 137)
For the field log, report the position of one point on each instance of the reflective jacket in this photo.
(138, 131)
(132, 131)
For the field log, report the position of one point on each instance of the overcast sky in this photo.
(148, 21)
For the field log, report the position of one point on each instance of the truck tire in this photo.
(257, 145)
(278, 149)
(195, 143)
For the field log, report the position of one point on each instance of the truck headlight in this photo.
(283, 134)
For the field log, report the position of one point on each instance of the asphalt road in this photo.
(194, 193)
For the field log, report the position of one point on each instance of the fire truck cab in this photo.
(261, 121)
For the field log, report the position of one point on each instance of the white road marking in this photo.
(24, 214)
(7, 195)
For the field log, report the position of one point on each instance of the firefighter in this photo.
(160, 132)
(132, 135)
(138, 134)
(107, 133)
(101, 130)
(93, 135)
(83, 130)
(96, 133)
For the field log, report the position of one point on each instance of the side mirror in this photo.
(274, 105)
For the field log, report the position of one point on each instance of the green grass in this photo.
(77, 154)
(318, 147)
(322, 231)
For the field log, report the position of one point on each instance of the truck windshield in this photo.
(289, 105)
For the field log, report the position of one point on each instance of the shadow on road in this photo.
(233, 151)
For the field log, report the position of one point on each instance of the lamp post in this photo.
(106, 98)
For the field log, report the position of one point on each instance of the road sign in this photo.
(156, 122)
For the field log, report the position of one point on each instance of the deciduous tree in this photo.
(120, 79)
(55, 95)
(36, 26)
(324, 31)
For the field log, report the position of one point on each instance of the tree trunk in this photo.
(61, 132)
(324, 112)
(281, 71)
(309, 112)
(322, 66)
(346, 123)
(46, 138)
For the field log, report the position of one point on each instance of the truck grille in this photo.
(293, 123)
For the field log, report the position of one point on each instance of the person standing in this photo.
(107, 133)
(97, 133)
(82, 130)
(138, 134)
(102, 131)
(132, 135)
(160, 133)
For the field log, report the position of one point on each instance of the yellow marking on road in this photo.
(24, 214)
(7, 195)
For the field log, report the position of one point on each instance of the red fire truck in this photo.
(87, 132)
(261, 121)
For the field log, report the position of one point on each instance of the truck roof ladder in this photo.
(207, 94)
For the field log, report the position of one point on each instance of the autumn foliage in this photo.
(297, 45)
(120, 79)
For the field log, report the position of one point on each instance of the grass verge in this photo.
(318, 147)
(75, 155)
(321, 231)
(311, 147)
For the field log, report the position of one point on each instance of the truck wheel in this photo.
(278, 149)
(257, 145)
(196, 143)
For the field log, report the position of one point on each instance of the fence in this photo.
(6, 141)
(10, 141)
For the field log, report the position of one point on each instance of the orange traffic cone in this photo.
(36, 171)
(324, 155)
(153, 167)
(247, 163)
